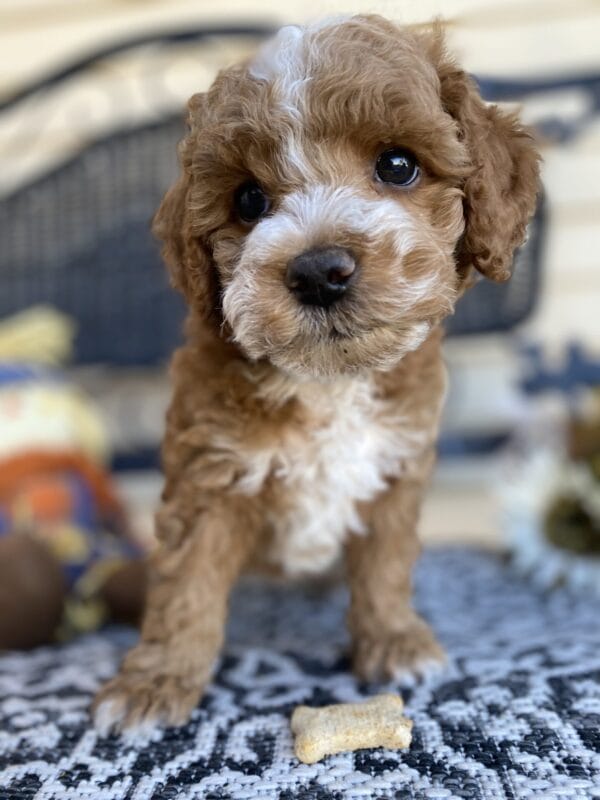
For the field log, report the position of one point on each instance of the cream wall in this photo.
(504, 37)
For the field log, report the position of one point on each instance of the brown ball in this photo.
(32, 592)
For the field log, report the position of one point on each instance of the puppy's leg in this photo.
(389, 639)
(162, 678)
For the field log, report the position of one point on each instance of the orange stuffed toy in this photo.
(68, 562)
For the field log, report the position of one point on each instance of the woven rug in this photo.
(515, 715)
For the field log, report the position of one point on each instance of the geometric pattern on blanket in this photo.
(516, 713)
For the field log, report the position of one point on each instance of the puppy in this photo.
(337, 193)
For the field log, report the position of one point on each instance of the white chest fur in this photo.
(356, 442)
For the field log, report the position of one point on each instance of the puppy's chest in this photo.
(319, 474)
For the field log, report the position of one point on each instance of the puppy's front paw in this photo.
(138, 702)
(398, 655)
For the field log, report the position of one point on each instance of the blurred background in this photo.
(91, 95)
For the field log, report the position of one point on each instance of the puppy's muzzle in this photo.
(321, 276)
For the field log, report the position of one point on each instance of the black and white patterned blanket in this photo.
(515, 715)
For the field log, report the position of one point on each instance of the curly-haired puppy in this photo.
(336, 194)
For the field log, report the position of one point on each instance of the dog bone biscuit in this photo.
(377, 722)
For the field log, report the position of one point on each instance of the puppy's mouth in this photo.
(336, 335)
(332, 326)
(346, 327)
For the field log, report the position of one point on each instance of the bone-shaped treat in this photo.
(377, 722)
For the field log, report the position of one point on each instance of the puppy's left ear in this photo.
(500, 193)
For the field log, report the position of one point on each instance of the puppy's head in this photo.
(337, 190)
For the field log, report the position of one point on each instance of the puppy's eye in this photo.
(251, 202)
(398, 166)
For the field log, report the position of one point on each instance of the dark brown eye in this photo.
(398, 166)
(251, 202)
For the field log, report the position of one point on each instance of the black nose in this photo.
(319, 277)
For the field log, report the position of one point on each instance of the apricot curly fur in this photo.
(299, 434)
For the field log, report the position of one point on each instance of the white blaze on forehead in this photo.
(284, 62)
(295, 158)
(283, 59)
(281, 62)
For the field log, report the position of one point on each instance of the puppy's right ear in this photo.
(186, 255)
